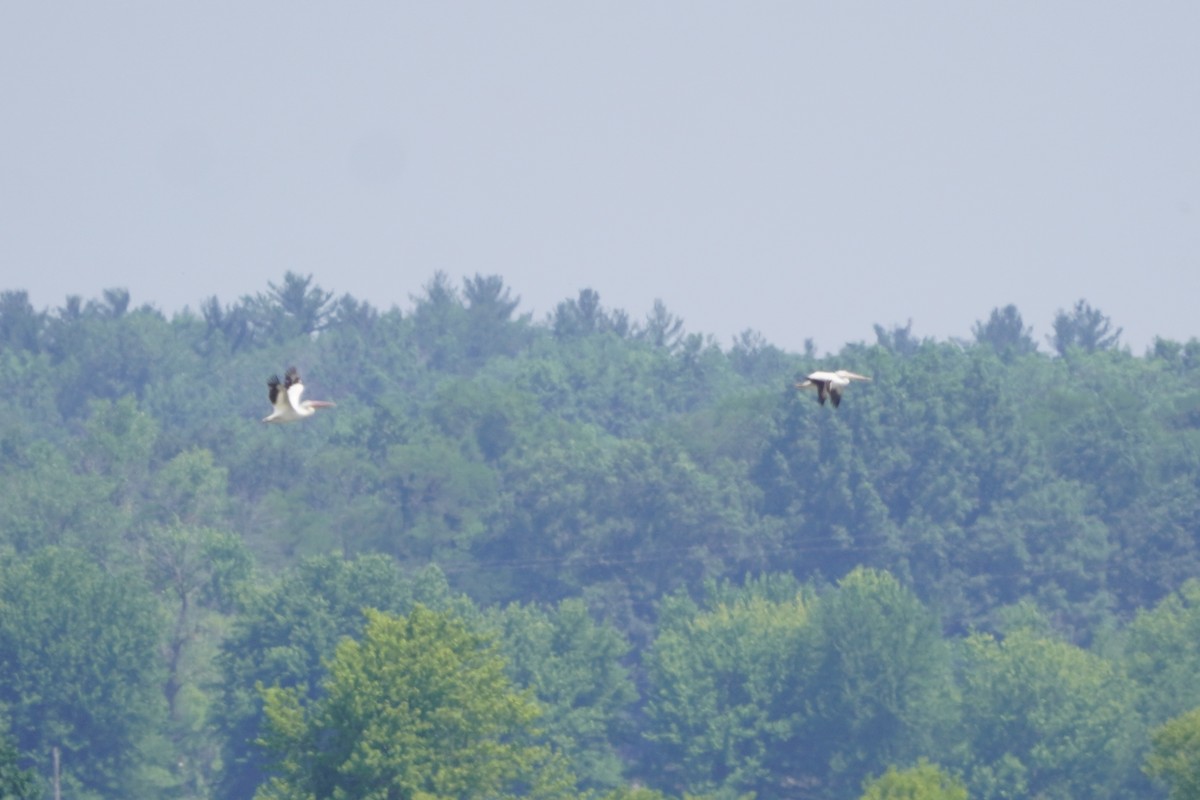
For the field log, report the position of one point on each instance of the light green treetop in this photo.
(420, 707)
(925, 781)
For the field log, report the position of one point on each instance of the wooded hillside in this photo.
(637, 557)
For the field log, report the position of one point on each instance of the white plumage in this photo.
(831, 384)
(285, 398)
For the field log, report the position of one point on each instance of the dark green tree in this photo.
(880, 692)
(1162, 654)
(1005, 333)
(584, 316)
(44, 501)
(16, 783)
(625, 520)
(491, 330)
(573, 665)
(20, 325)
(359, 316)
(115, 304)
(227, 329)
(77, 669)
(898, 339)
(1083, 327)
(721, 694)
(662, 329)
(103, 355)
(189, 488)
(296, 307)
(439, 325)
(1043, 545)
(759, 361)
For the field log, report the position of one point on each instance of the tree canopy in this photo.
(669, 573)
(419, 707)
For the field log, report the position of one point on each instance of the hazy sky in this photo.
(802, 169)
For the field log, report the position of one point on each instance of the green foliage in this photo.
(419, 707)
(491, 330)
(77, 670)
(898, 340)
(295, 308)
(584, 316)
(573, 666)
(15, 783)
(191, 489)
(609, 463)
(20, 325)
(1175, 757)
(1162, 654)
(766, 689)
(630, 519)
(1045, 718)
(721, 685)
(633, 793)
(1085, 328)
(925, 781)
(1005, 333)
(44, 500)
(439, 323)
(880, 689)
(285, 633)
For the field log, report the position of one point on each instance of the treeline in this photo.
(649, 559)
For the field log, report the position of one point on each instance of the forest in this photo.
(589, 556)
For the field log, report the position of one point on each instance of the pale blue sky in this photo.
(803, 169)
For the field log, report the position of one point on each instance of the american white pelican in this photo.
(285, 397)
(831, 383)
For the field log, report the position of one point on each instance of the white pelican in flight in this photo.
(831, 383)
(285, 397)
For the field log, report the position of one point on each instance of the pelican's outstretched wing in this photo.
(818, 381)
(830, 385)
(295, 388)
(277, 393)
(281, 407)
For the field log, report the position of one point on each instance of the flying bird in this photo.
(285, 397)
(830, 383)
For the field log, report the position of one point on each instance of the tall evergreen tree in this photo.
(1084, 327)
(1005, 332)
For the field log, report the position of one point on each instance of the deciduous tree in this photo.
(1175, 756)
(573, 665)
(880, 692)
(1044, 718)
(925, 781)
(419, 707)
(78, 670)
(722, 694)
(283, 635)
